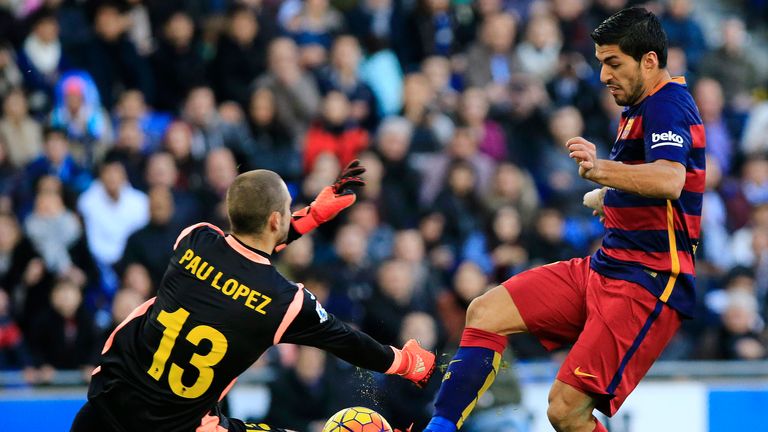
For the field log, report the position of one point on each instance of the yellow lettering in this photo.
(251, 297)
(260, 308)
(215, 282)
(241, 291)
(230, 286)
(192, 266)
(201, 273)
(188, 254)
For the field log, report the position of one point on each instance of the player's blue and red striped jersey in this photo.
(652, 241)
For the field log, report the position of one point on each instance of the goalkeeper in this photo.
(220, 305)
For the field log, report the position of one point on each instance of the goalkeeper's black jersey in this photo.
(219, 307)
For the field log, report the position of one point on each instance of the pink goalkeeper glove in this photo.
(413, 363)
(331, 200)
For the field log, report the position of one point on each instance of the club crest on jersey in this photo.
(321, 312)
(627, 128)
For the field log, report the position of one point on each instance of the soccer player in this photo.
(220, 305)
(621, 306)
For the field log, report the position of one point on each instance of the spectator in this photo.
(409, 247)
(302, 397)
(112, 58)
(352, 279)
(162, 172)
(53, 230)
(111, 211)
(399, 199)
(380, 25)
(136, 279)
(13, 351)
(178, 143)
(474, 114)
(441, 255)
(296, 94)
(64, 336)
(220, 172)
(209, 131)
(739, 337)
(574, 26)
(313, 28)
(539, 52)
(124, 303)
(342, 75)
(295, 261)
(390, 301)
(498, 248)
(22, 134)
(129, 149)
(559, 182)
(714, 220)
(468, 282)
(570, 86)
(547, 243)
(139, 29)
(380, 234)
(436, 29)
(132, 106)
(152, 245)
(513, 186)
(459, 202)
(24, 277)
(274, 146)
(526, 118)
(325, 171)
(8, 178)
(78, 111)
(492, 56)
(408, 405)
(463, 148)
(42, 59)
(683, 30)
(709, 97)
(755, 140)
(177, 64)
(745, 247)
(731, 65)
(10, 76)
(56, 160)
(335, 132)
(431, 128)
(441, 79)
(239, 57)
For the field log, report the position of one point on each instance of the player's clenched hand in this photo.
(585, 153)
(331, 200)
(413, 363)
(594, 199)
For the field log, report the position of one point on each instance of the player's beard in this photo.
(636, 90)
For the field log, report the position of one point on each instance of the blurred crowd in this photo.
(124, 121)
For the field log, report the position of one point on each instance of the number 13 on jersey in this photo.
(173, 322)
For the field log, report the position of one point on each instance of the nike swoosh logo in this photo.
(578, 372)
(453, 361)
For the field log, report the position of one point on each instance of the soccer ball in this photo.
(357, 419)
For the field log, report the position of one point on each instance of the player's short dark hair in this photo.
(636, 31)
(252, 198)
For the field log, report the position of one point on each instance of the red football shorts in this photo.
(617, 328)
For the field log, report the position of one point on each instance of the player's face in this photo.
(621, 73)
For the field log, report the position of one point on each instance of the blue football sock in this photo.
(469, 375)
